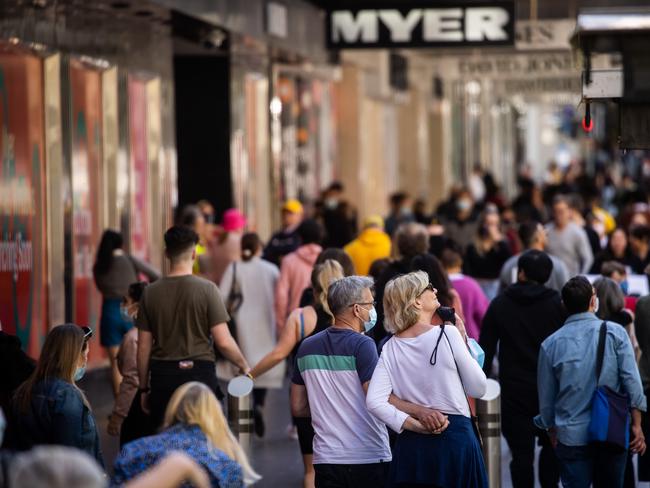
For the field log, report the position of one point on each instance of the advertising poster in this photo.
(86, 96)
(23, 288)
(139, 169)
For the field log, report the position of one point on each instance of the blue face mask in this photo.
(372, 320)
(124, 314)
(79, 373)
(625, 287)
(477, 351)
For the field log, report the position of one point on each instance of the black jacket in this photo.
(519, 320)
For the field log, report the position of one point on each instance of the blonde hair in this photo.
(322, 277)
(399, 300)
(195, 404)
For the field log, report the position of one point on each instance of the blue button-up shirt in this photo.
(566, 375)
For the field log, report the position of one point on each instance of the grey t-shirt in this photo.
(180, 311)
(571, 245)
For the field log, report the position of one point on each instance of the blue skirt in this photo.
(452, 459)
(112, 327)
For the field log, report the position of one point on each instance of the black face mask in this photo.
(209, 218)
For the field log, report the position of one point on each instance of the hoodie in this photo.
(295, 276)
(372, 244)
(519, 319)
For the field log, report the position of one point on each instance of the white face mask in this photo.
(596, 305)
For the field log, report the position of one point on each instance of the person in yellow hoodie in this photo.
(372, 244)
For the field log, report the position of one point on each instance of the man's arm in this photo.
(585, 252)
(145, 343)
(432, 420)
(228, 347)
(547, 390)
(299, 401)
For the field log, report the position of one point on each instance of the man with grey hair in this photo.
(330, 381)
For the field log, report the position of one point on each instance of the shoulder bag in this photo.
(234, 301)
(610, 410)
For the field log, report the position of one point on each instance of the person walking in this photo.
(566, 379)
(642, 329)
(296, 270)
(302, 323)
(194, 425)
(427, 365)
(127, 419)
(338, 217)
(372, 244)
(533, 236)
(517, 322)
(191, 216)
(474, 301)
(401, 211)
(254, 280)
(329, 384)
(49, 408)
(567, 240)
(487, 254)
(114, 270)
(286, 240)
(226, 248)
(170, 354)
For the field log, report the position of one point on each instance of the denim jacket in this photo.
(57, 415)
(566, 375)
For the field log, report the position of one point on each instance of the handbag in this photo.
(233, 302)
(609, 425)
(434, 359)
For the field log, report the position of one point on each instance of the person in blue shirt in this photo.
(566, 378)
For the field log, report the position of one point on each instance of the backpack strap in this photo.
(302, 324)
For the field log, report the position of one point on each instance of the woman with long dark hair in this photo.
(49, 408)
(114, 271)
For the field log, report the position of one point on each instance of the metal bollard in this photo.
(488, 410)
(240, 411)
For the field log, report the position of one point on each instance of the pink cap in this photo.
(233, 220)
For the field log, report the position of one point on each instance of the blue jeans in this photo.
(582, 465)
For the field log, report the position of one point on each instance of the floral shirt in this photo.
(141, 454)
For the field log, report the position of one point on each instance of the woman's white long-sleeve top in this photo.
(405, 369)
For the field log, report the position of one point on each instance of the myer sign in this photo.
(420, 26)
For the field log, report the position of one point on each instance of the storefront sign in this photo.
(544, 34)
(410, 25)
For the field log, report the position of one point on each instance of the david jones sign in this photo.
(417, 26)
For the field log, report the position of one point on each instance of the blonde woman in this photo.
(427, 365)
(302, 323)
(195, 425)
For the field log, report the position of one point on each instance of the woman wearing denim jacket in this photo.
(49, 408)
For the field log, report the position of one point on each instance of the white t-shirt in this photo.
(405, 369)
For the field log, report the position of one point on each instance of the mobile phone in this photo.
(447, 314)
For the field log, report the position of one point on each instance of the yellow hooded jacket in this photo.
(372, 244)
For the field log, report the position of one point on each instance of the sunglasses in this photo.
(428, 287)
(88, 333)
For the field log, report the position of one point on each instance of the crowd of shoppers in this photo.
(389, 335)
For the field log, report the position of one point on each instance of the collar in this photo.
(580, 317)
